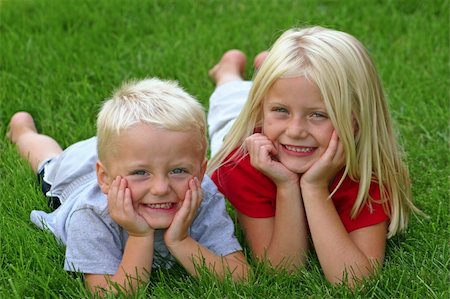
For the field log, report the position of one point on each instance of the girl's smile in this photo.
(298, 150)
(296, 121)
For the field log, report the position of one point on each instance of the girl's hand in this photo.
(122, 211)
(324, 170)
(262, 152)
(178, 229)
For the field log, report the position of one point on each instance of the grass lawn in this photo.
(60, 58)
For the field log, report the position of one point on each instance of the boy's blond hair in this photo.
(163, 104)
(353, 96)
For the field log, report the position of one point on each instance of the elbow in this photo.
(284, 262)
(352, 276)
(234, 267)
(241, 273)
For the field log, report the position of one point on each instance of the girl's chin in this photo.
(296, 168)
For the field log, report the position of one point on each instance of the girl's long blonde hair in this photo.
(353, 95)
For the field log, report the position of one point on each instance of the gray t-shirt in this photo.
(94, 242)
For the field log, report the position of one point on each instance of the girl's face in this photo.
(296, 121)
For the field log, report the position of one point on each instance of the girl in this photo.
(313, 151)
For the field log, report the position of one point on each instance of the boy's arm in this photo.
(192, 254)
(189, 252)
(137, 257)
(134, 269)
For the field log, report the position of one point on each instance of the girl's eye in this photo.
(280, 109)
(178, 171)
(319, 115)
(139, 172)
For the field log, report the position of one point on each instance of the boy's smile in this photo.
(296, 121)
(157, 165)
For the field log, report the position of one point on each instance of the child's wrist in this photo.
(149, 234)
(293, 182)
(174, 244)
(314, 191)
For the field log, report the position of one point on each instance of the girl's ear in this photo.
(355, 127)
(102, 177)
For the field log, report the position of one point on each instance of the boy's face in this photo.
(296, 121)
(158, 165)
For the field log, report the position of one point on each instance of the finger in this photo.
(266, 151)
(113, 193)
(121, 194)
(255, 141)
(128, 207)
(185, 206)
(331, 150)
(260, 151)
(196, 196)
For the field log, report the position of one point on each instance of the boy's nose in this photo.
(159, 186)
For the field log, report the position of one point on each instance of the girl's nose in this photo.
(159, 186)
(297, 128)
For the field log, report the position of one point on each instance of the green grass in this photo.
(60, 59)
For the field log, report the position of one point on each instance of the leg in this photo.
(259, 59)
(230, 67)
(32, 146)
(229, 96)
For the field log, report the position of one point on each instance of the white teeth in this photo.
(300, 149)
(166, 205)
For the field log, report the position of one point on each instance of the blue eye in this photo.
(280, 109)
(178, 171)
(319, 115)
(139, 172)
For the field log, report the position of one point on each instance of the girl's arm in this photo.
(341, 255)
(192, 254)
(281, 239)
(137, 258)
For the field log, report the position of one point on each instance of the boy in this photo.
(140, 201)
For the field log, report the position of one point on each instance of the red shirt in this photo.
(254, 194)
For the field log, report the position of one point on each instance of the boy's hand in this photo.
(262, 151)
(121, 209)
(178, 229)
(324, 170)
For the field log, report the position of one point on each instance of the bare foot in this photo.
(20, 123)
(230, 67)
(259, 59)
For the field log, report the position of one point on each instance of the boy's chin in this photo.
(159, 220)
(160, 224)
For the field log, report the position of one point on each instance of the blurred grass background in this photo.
(60, 59)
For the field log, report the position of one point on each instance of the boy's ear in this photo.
(102, 177)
